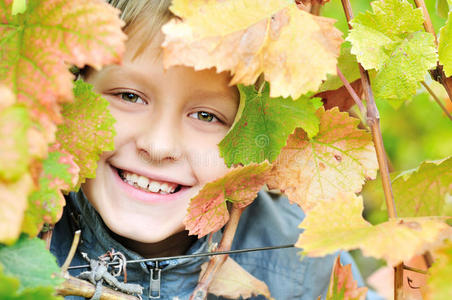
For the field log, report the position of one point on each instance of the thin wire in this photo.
(194, 255)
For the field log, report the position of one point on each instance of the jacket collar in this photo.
(96, 239)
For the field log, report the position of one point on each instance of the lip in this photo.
(148, 197)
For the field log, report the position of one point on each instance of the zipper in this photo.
(155, 276)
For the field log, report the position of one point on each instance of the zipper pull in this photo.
(154, 281)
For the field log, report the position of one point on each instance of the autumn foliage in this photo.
(53, 128)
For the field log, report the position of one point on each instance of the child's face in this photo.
(168, 125)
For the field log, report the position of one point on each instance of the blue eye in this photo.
(131, 97)
(204, 116)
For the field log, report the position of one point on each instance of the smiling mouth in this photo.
(148, 185)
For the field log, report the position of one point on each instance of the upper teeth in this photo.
(151, 185)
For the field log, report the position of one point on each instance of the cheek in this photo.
(205, 159)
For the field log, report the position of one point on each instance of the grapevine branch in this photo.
(438, 73)
(215, 263)
(440, 103)
(73, 286)
(373, 121)
(71, 253)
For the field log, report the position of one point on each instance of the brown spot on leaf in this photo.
(338, 157)
(411, 225)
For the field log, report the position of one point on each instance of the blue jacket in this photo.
(268, 221)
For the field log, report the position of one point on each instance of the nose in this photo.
(160, 139)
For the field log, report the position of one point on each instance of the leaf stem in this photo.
(216, 262)
(373, 121)
(440, 103)
(351, 91)
(46, 235)
(71, 253)
(414, 269)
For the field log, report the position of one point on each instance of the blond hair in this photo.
(143, 18)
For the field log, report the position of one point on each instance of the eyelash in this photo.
(197, 114)
(123, 96)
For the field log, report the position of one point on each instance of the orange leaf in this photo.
(270, 39)
(234, 282)
(339, 158)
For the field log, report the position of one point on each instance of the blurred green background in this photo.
(418, 131)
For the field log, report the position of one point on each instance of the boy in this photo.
(169, 123)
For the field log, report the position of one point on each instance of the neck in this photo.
(176, 244)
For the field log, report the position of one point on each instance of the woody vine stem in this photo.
(373, 121)
(438, 73)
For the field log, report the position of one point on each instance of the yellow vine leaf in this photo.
(339, 158)
(338, 224)
(234, 282)
(294, 49)
(13, 203)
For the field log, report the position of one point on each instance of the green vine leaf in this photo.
(265, 124)
(96, 135)
(445, 46)
(425, 190)
(31, 263)
(410, 59)
(45, 205)
(207, 211)
(39, 44)
(339, 158)
(9, 287)
(348, 65)
(338, 225)
(442, 8)
(390, 41)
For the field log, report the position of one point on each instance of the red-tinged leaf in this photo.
(59, 173)
(13, 202)
(342, 285)
(87, 130)
(38, 46)
(341, 97)
(234, 282)
(208, 211)
(339, 158)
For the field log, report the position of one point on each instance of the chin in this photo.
(141, 234)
